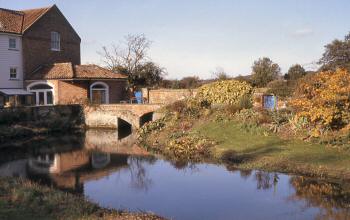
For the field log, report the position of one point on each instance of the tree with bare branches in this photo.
(131, 59)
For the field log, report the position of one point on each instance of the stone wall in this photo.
(167, 96)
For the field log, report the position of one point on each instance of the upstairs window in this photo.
(13, 73)
(12, 43)
(55, 41)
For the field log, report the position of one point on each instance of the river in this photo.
(109, 169)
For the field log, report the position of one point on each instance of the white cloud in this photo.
(303, 32)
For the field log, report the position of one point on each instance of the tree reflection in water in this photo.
(332, 199)
(265, 180)
(138, 172)
(245, 174)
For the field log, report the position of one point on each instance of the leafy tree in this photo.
(148, 74)
(295, 72)
(337, 55)
(246, 79)
(264, 71)
(189, 82)
(281, 88)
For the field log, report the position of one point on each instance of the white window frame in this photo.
(37, 91)
(106, 88)
(16, 72)
(55, 41)
(15, 40)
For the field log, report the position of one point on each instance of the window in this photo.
(99, 93)
(13, 73)
(55, 41)
(43, 93)
(12, 43)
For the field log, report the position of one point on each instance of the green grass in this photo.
(253, 148)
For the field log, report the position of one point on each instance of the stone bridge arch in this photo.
(109, 116)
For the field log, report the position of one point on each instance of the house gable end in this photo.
(37, 40)
(60, 23)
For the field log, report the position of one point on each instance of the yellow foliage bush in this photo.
(324, 99)
(225, 92)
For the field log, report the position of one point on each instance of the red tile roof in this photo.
(94, 71)
(18, 22)
(32, 15)
(73, 72)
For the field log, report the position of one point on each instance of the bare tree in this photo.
(131, 54)
(220, 74)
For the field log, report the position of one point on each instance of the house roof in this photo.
(32, 15)
(17, 22)
(68, 71)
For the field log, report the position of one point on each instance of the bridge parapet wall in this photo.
(106, 116)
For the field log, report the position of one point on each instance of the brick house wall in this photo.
(37, 40)
(117, 90)
(73, 92)
(78, 92)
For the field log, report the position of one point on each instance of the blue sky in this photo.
(194, 37)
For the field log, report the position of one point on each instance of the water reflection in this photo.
(113, 172)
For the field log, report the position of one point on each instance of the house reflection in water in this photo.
(70, 170)
(100, 153)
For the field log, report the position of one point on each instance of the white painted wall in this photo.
(8, 59)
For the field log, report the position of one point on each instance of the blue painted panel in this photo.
(138, 96)
(269, 102)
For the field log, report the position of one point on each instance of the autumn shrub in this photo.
(190, 147)
(323, 99)
(225, 92)
(152, 126)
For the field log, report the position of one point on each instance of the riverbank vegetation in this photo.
(22, 199)
(226, 128)
(27, 122)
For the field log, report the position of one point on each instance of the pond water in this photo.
(108, 169)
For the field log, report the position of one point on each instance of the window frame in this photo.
(16, 73)
(44, 91)
(105, 89)
(55, 41)
(13, 39)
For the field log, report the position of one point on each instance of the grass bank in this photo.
(253, 150)
(21, 199)
(231, 138)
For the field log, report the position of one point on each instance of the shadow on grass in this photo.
(253, 153)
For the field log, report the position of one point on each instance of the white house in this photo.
(11, 66)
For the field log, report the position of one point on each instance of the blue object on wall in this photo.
(270, 102)
(138, 96)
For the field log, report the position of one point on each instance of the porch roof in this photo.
(15, 92)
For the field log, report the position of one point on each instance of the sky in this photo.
(195, 37)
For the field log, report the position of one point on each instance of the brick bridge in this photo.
(116, 115)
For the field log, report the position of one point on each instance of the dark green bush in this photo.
(281, 88)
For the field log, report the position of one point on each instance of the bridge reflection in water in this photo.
(92, 156)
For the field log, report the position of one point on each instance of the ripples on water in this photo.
(110, 170)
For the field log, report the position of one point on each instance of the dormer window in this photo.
(55, 41)
(12, 43)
